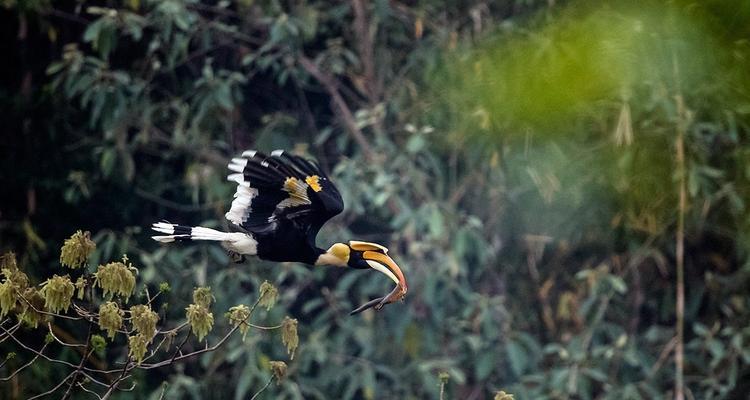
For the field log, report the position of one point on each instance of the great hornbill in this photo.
(282, 201)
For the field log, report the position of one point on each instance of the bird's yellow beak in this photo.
(383, 263)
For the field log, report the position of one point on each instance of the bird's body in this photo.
(273, 243)
(280, 204)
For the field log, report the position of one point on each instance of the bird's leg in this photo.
(396, 294)
(237, 258)
(370, 304)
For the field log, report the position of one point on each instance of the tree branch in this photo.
(262, 389)
(330, 84)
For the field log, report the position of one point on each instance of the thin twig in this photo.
(49, 325)
(204, 350)
(179, 348)
(87, 390)
(665, 352)
(9, 377)
(86, 353)
(14, 328)
(54, 360)
(262, 389)
(53, 389)
(114, 384)
(265, 328)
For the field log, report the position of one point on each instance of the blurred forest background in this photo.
(554, 177)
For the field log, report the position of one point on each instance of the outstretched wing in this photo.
(281, 186)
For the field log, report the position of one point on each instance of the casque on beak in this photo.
(383, 263)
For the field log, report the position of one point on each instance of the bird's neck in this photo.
(326, 258)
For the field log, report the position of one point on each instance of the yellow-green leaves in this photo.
(98, 343)
(110, 318)
(116, 278)
(7, 297)
(76, 250)
(137, 346)
(278, 368)
(8, 261)
(30, 315)
(202, 296)
(164, 287)
(80, 287)
(268, 295)
(201, 320)
(289, 335)
(501, 395)
(144, 320)
(14, 282)
(57, 292)
(238, 315)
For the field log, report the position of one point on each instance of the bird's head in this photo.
(363, 255)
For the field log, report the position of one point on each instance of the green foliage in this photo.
(501, 395)
(238, 316)
(32, 308)
(164, 287)
(110, 318)
(7, 297)
(57, 292)
(144, 320)
(289, 335)
(98, 343)
(201, 320)
(202, 296)
(76, 250)
(199, 317)
(116, 278)
(137, 346)
(14, 282)
(268, 295)
(278, 368)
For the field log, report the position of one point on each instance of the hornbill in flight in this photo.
(282, 201)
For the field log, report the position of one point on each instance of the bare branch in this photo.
(14, 328)
(56, 361)
(46, 312)
(339, 105)
(262, 389)
(86, 353)
(53, 389)
(265, 328)
(9, 377)
(87, 390)
(49, 325)
(179, 348)
(117, 381)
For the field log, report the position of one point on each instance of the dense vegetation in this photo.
(565, 185)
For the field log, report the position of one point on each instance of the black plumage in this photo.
(286, 213)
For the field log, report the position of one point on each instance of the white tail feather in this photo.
(236, 241)
(201, 233)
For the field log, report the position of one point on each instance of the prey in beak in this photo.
(380, 261)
